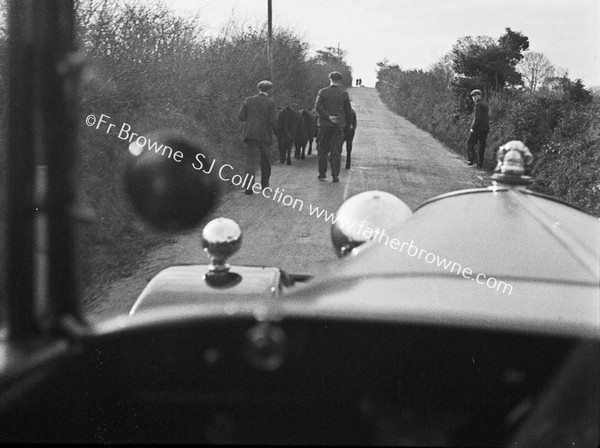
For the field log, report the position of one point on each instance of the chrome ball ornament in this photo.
(221, 238)
(367, 210)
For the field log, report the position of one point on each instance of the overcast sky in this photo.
(417, 33)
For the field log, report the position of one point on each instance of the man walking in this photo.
(260, 114)
(335, 114)
(479, 130)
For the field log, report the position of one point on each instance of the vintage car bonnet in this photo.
(497, 257)
(506, 233)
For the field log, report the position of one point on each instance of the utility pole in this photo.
(270, 37)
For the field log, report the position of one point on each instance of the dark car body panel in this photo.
(541, 255)
(505, 233)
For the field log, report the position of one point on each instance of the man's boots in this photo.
(347, 161)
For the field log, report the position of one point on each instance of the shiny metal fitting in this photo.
(513, 159)
(363, 216)
(221, 238)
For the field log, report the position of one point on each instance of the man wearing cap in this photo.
(334, 115)
(479, 130)
(260, 114)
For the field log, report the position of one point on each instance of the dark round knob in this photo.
(162, 184)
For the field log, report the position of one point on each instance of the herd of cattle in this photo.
(298, 129)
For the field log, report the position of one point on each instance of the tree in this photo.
(536, 69)
(486, 64)
(331, 59)
(575, 90)
(513, 43)
(330, 55)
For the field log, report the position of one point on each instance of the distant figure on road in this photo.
(260, 114)
(349, 137)
(335, 114)
(479, 130)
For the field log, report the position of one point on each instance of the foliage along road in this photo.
(389, 154)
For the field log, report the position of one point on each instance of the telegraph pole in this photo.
(270, 37)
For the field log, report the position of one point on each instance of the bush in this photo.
(568, 166)
(534, 118)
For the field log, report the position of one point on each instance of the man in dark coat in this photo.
(335, 114)
(260, 114)
(479, 130)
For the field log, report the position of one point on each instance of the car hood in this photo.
(506, 234)
(494, 258)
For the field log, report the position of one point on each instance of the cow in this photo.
(288, 122)
(349, 138)
(308, 134)
(301, 136)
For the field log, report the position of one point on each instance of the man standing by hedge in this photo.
(479, 130)
(335, 114)
(260, 114)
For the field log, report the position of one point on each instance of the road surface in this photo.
(389, 154)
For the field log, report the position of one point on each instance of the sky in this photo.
(415, 34)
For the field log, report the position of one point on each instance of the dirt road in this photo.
(389, 154)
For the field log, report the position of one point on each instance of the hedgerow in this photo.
(560, 126)
(151, 68)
